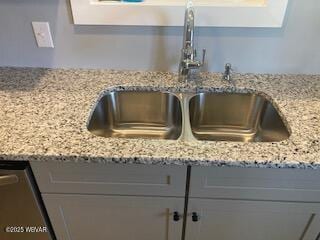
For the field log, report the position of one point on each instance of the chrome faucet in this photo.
(188, 61)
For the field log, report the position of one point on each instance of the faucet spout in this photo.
(188, 60)
(188, 28)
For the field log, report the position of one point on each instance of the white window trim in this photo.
(212, 13)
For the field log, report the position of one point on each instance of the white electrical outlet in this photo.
(42, 33)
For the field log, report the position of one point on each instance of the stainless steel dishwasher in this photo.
(22, 215)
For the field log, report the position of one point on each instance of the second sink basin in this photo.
(137, 114)
(235, 117)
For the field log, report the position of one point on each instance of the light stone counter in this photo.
(43, 116)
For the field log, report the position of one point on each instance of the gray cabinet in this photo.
(254, 204)
(83, 217)
(137, 202)
(112, 201)
(252, 220)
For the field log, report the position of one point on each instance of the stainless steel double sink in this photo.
(241, 117)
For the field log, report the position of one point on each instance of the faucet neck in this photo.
(188, 35)
(188, 61)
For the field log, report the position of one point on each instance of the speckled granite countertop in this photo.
(43, 115)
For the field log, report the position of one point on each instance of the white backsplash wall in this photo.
(292, 49)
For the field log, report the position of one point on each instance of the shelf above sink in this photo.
(209, 13)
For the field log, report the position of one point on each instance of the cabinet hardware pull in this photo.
(195, 217)
(176, 216)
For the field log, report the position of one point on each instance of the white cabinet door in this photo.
(83, 217)
(252, 220)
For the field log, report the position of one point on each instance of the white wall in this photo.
(292, 49)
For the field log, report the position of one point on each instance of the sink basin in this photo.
(138, 114)
(235, 117)
(243, 117)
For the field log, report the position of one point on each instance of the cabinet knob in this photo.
(176, 216)
(195, 217)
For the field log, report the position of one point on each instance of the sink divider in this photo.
(186, 133)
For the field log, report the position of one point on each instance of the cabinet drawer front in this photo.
(110, 179)
(255, 184)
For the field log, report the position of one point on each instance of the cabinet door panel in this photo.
(256, 184)
(252, 220)
(83, 217)
(110, 179)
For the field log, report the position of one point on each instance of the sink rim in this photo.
(186, 94)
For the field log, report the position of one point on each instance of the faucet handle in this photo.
(204, 51)
(203, 55)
